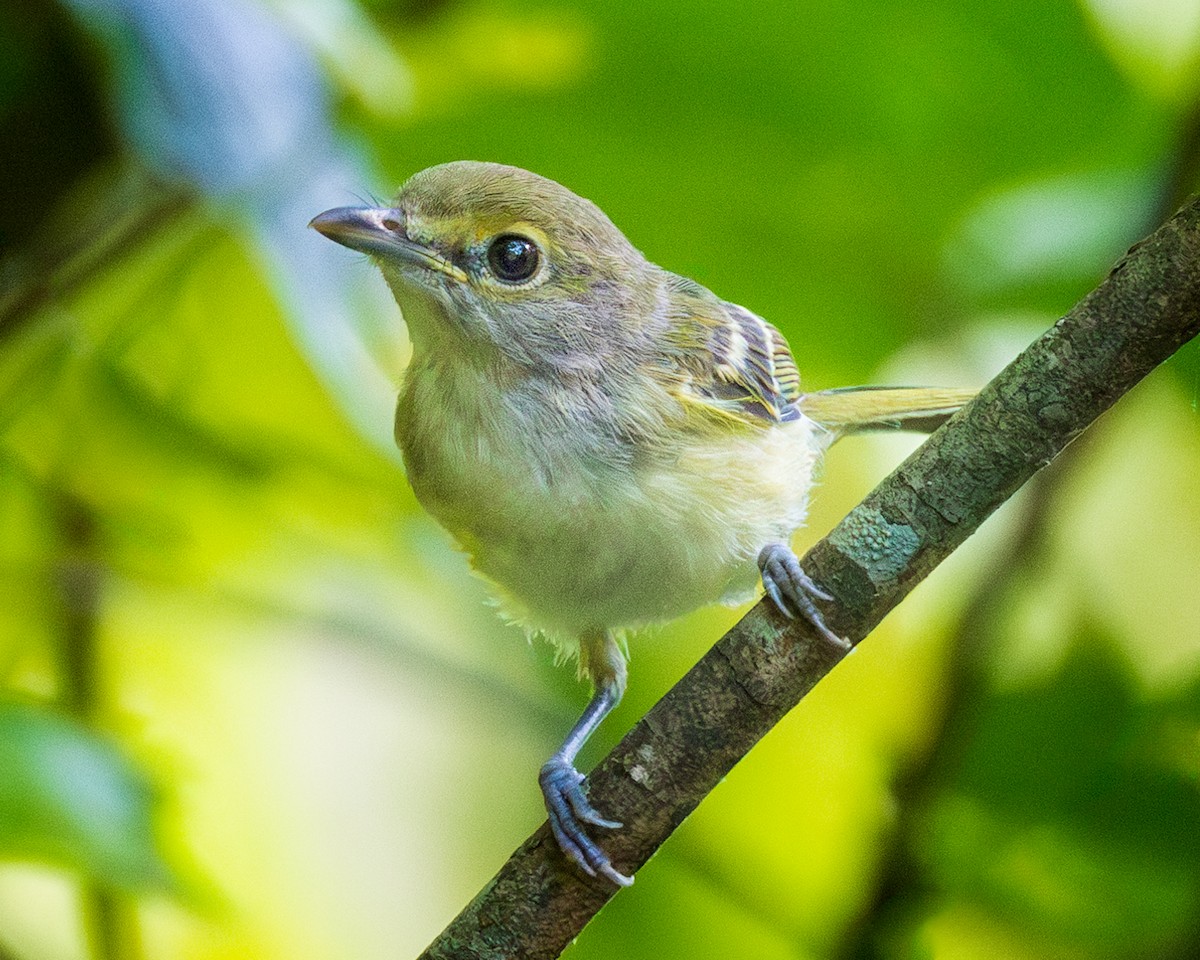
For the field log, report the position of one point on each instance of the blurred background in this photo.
(253, 704)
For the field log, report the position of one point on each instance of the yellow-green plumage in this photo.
(635, 474)
(612, 444)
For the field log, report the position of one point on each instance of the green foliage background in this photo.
(252, 703)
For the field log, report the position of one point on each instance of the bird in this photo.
(611, 444)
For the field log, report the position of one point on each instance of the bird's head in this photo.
(486, 257)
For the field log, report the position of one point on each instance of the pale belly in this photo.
(574, 547)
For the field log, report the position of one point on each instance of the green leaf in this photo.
(1060, 816)
(71, 798)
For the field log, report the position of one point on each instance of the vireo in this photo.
(612, 444)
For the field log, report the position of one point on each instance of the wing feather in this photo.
(730, 359)
(847, 410)
(732, 363)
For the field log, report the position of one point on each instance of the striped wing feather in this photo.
(729, 359)
(732, 362)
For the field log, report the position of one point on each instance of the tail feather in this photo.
(857, 409)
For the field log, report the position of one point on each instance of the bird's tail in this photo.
(849, 410)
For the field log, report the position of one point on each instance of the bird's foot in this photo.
(792, 590)
(566, 805)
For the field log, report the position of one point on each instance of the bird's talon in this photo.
(777, 597)
(583, 809)
(840, 642)
(793, 591)
(620, 879)
(816, 591)
(566, 806)
(596, 820)
(568, 847)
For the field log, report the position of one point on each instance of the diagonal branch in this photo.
(1143, 312)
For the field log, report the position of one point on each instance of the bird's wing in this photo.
(725, 360)
(728, 360)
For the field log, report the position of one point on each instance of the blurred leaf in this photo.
(70, 797)
(806, 162)
(52, 126)
(355, 53)
(1156, 42)
(1053, 234)
(1129, 533)
(698, 917)
(1059, 816)
(472, 47)
(27, 599)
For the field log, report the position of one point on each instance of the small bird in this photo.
(612, 444)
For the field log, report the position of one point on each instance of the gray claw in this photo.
(792, 590)
(615, 875)
(566, 805)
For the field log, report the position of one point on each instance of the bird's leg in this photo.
(792, 590)
(562, 784)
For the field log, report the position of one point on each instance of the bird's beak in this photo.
(380, 233)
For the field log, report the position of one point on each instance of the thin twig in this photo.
(109, 925)
(70, 251)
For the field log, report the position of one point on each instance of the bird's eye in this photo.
(513, 258)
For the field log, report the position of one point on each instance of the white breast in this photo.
(576, 539)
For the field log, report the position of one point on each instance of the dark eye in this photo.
(513, 258)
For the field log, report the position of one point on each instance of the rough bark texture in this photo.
(1144, 311)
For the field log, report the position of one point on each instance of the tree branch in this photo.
(900, 881)
(1144, 311)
